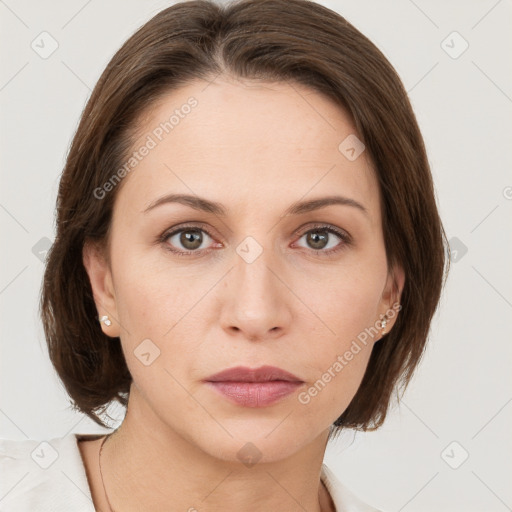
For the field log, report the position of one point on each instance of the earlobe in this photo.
(100, 277)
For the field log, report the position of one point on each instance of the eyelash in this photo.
(346, 239)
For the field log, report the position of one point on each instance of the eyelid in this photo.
(183, 227)
(188, 225)
(322, 225)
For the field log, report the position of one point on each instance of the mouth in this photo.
(259, 387)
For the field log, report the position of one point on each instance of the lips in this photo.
(259, 387)
(262, 374)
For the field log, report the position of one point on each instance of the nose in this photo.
(255, 302)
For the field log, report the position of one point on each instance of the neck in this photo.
(148, 468)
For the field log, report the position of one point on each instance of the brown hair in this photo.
(276, 40)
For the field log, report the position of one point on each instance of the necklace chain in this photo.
(101, 474)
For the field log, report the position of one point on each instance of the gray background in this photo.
(462, 391)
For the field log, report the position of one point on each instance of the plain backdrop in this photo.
(447, 446)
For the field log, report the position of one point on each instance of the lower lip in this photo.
(255, 394)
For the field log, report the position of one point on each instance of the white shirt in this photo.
(49, 476)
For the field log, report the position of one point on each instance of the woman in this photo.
(248, 257)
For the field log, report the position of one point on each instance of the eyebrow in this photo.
(297, 208)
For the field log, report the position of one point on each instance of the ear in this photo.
(102, 286)
(390, 301)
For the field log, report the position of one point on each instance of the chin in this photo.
(255, 442)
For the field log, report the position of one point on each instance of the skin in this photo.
(255, 147)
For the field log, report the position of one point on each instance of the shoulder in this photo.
(43, 475)
(343, 498)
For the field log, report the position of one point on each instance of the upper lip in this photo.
(244, 374)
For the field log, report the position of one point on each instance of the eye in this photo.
(193, 240)
(186, 240)
(321, 239)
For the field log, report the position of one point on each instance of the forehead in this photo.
(256, 143)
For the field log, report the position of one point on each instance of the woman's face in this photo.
(256, 280)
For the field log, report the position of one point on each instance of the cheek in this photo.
(156, 311)
(150, 298)
(340, 344)
(338, 371)
(345, 308)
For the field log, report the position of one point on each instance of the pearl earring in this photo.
(105, 319)
(384, 322)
